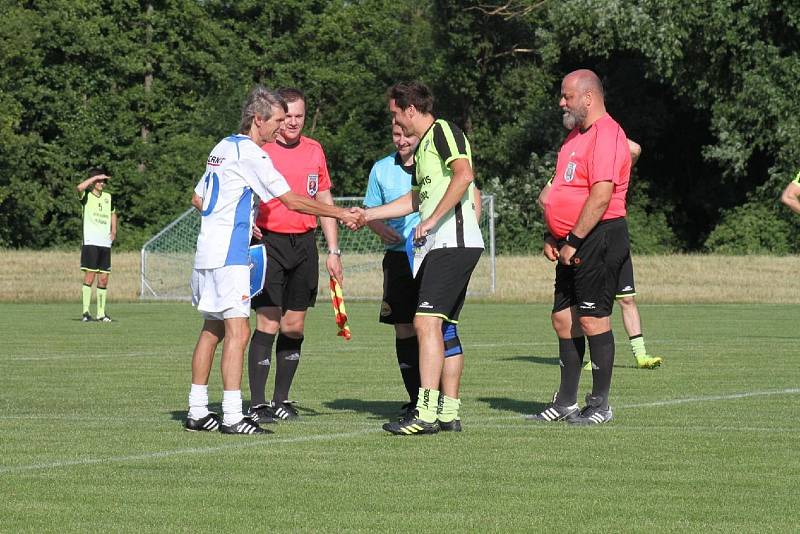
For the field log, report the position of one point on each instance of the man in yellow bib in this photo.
(99, 231)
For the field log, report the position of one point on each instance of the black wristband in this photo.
(546, 235)
(574, 241)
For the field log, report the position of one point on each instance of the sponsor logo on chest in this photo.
(424, 193)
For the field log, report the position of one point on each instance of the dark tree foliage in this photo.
(146, 88)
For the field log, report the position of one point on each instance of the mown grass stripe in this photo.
(325, 437)
(249, 444)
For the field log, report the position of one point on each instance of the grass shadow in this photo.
(545, 360)
(180, 415)
(377, 409)
(303, 411)
(505, 404)
(553, 360)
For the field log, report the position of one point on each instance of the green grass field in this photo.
(91, 437)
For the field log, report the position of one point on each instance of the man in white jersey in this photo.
(237, 171)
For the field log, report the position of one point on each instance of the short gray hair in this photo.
(259, 102)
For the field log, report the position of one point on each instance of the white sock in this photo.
(231, 407)
(198, 401)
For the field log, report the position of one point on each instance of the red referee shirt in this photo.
(306, 170)
(600, 154)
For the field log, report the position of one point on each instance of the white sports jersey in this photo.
(236, 168)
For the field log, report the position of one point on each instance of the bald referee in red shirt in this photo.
(588, 237)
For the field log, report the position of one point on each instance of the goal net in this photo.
(167, 258)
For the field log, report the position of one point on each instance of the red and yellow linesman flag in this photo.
(340, 314)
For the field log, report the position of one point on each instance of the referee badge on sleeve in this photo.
(569, 174)
(312, 184)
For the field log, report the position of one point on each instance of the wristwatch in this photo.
(336, 251)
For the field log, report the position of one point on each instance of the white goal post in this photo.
(167, 258)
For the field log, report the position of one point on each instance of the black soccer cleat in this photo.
(87, 318)
(104, 319)
(451, 426)
(284, 411)
(411, 426)
(245, 426)
(593, 413)
(261, 414)
(407, 410)
(555, 412)
(208, 423)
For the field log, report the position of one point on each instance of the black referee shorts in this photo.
(399, 289)
(96, 259)
(590, 284)
(625, 283)
(292, 271)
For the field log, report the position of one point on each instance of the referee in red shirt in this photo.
(292, 263)
(588, 237)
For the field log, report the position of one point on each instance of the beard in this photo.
(573, 117)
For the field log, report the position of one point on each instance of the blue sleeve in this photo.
(374, 195)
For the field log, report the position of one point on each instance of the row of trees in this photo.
(145, 88)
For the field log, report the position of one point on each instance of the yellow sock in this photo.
(101, 302)
(87, 297)
(427, 404)
(448, 408)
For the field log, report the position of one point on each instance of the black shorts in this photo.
(591, 285)
(292, 271)
(625, 285)
(96, 259)
(399, 290)
(443, 280)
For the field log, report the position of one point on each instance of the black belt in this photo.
(560, 242)
(284, 234)
(291, 237)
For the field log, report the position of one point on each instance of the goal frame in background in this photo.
(167, 258)
(156, 288)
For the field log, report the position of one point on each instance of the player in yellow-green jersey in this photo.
(448, 245)
(99, 232)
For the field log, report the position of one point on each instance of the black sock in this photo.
(570, 354)
(601, 350)
(287, 356)
(408, 360)
(258, 361)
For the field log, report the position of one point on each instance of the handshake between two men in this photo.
(354, 218)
